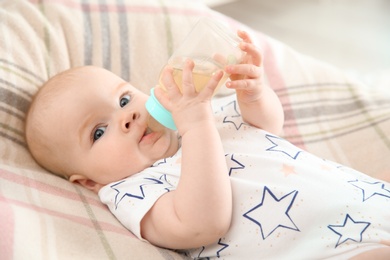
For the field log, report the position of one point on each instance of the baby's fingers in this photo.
(252, 51)
(169, 83)
(188, 86)
(163, 98)
(247, 70)
(243, 84)
(244, 36)
(211, 85)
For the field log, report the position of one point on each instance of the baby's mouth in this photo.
(147, 132)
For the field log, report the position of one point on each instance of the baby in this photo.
(224, 185)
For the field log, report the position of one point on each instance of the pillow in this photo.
(44, 216)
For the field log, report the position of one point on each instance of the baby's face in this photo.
(106, 130)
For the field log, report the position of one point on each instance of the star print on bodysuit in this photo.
(221, 246)
(235, 118)
(279, 209)
(159, 162)
(233, 164)
(169, 186)
(224, 246)
(133, 191)
(370, 189)
(278, 146)
(349, 230)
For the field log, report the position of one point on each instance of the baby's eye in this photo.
(98, 133)
(125, 99)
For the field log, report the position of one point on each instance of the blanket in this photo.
(42, 216)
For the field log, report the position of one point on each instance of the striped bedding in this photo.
(45, 217)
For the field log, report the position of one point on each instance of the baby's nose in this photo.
(128, 119)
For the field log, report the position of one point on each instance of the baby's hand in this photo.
(189, 109)
(259, 104)
(247, 77)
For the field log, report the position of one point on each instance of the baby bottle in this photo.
(211, 47)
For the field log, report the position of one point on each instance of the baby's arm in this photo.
(258, 103)
(199, 211)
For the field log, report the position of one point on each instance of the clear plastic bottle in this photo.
(211, 46)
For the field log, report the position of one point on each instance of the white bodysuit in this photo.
(287, 203)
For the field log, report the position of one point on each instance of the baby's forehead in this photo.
(84, 84)
(62, 85)
(54, 92)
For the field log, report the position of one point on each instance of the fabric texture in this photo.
(278, 198)
(43, 216)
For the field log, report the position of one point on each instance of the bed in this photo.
(328, 113)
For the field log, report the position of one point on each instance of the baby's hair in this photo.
(41, 148)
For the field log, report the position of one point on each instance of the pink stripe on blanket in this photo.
(75, 219)
(47, 188)
(119, 8)
(6, 229)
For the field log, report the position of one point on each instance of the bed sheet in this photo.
(42, 216)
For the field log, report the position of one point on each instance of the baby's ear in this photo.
(85, 182)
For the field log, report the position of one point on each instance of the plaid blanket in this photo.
(45, 217)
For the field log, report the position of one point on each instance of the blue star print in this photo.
(239, 166)
(235, 119)
(277, 142)
(163, 178)
(349, 230)
(224, 246)
(159, 162)
(370, 189)
(200, 254)
(280, 211)
(137, 193)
